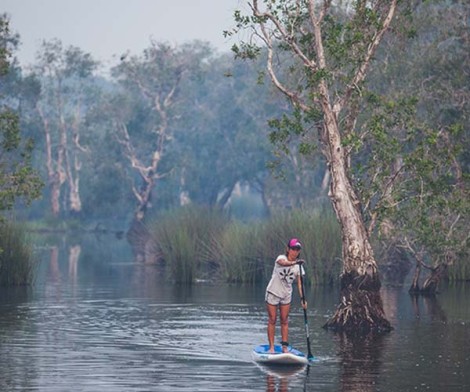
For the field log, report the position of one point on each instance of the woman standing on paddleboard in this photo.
(279, 292)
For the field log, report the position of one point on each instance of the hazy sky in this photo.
(108, 28)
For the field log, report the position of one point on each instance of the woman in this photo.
(279, 292)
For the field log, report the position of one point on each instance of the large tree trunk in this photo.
(360, 308)
(225, 196)
(414, 288)
(55, 186)
(55, 172)
(148, 174)
(75, 200)
(73, 176)
(143, 199)
(431, 284)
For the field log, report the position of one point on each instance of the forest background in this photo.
(185, 125)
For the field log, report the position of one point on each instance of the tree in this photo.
(420, 113)
(105, 182)
(332, 49)
(145, 129)
(66, 77)
(232, 138)
(219, 119)
(18, 180)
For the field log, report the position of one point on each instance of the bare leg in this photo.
(272, 314)
(284, 312)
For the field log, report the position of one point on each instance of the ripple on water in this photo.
(103, 341)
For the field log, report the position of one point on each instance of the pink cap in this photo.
(294, 242)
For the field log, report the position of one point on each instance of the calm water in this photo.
(96, 321)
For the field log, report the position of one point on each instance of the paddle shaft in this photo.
(305, 310)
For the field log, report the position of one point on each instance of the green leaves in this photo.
(18, 180)
(9, 126)
(246, 51)
(288, 128)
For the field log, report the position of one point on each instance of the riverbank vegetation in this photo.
(17, 262)
(197, 243)
(20, 184)
(174, 125)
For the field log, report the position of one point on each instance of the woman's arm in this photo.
(285, 262)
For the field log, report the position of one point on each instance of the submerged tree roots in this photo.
(360, 310)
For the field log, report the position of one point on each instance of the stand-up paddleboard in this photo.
(262, 355)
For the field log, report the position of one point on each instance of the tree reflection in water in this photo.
(360, 362)
(431, 305)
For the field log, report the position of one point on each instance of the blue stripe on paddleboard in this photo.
(264, 349)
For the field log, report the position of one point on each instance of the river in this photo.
(96, 321)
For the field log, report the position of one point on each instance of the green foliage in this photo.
(405, 132)
(416, 140)
(285, 128)
(8, 43)
(18, 179)
(410, 179)
(9, 123)
(297, 162)
(399, 129)
(219, 142)
(17, 261)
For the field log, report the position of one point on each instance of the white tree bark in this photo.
(358, 257)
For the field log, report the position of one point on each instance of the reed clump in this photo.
(459, 270)
(320, 234)
(181, 239)
(17, 261)
(236, 253)
(198, 243)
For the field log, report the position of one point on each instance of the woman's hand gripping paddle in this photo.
(310, 357)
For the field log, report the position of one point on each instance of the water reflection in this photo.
(278, 377)
(96, 320)
(276, 384)
(360, 362)
(432, 308)
(74, 256)
(54, 271)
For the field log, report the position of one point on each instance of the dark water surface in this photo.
(96, 321)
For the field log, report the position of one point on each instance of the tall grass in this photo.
(181, 238)
(198, 243)
(17, 262)
(460, 270)
(320, 234)
(236, 252)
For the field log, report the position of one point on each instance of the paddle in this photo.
(310, 356)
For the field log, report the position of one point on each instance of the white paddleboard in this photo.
(262, 355)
